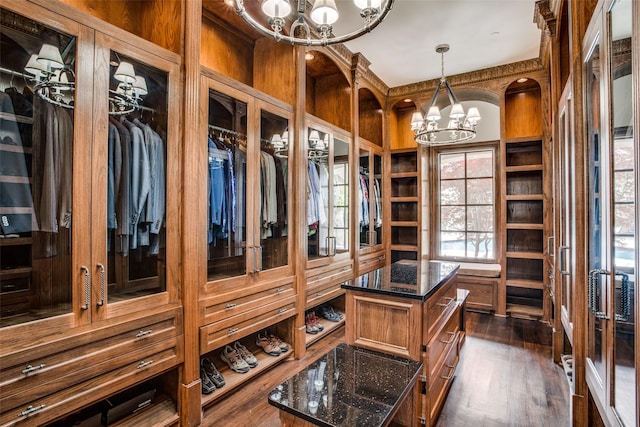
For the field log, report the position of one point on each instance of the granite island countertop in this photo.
(348, 386)
(405, 278)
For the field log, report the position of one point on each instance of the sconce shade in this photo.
(433, 113)
(125, 73)
(314, 137)
(324, 12)
(140, 86)
(276, 8)
(474, 115)
(50, 57)
(457, 111)
(34, 66)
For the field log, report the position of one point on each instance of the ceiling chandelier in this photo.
(461, 126)
(53, 80)
(323, 15)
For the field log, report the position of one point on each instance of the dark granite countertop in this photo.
(405, 278)
(348, 386)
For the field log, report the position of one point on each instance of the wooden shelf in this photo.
(528, 284)
(524, 310)
(525, 255)
(524, 197)
(404, 175)
(404, 223)
(328, 328)
(523, 168)
(233, 379)
(399, 247)
(16, 241)
(408, 199)
(524, 226)
(160, 414)
(519, 139)
(18, 271)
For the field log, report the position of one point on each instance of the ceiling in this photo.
(481, 34)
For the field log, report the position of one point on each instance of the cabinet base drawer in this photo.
(445, 339)
(440, 381)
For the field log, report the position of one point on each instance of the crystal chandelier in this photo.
(53, 80)
(461, 126)
(323, 15)
(128, 94)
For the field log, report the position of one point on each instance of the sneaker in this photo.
(330, 314)
(316, 322)
(208, 386)
(275, 340)
(268, 346)
(213, 373)
(233, 359)
(246, 355)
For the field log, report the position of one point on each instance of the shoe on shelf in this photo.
(233, 359)
(330, 314)
(245, 354)
(208, 386)
(267, 345)
(310, 325)
(213, 373)
(316, 321)
(275, 340)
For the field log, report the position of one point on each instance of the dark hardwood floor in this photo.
(505, 378)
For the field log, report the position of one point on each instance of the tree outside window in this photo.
(467, 204)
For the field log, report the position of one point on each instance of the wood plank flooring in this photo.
(506, 378)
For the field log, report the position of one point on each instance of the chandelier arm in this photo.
(452, 96)
(240, 10)
(434, 98)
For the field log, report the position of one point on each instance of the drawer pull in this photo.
(143, 333)
(230, 305)
(319, 294)
(8, 287)
(29, 369)
(283, 310)
(448, 377)
(280, 290)
(144, 364)
(449, 301)
(232, 331)
(30, 410)
(450, 340)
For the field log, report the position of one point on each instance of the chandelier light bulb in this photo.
(368, 4)
(276, 8)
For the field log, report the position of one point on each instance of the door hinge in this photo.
(423, 380)
(424, 348)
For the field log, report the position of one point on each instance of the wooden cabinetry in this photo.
(405, 203)
(369, 218)
(249, 285)
(90, 232)
(526, 204)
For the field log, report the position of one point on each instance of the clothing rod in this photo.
(231, 132)
(15, 73)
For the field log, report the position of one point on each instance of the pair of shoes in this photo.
(330, 314)
(208, 386)
(234, 360)
(212, 372)
(271, 344)
(312, 324)
(245, 354)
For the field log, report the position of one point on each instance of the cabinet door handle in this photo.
(549, 246)
(30, 410)
(232, 331)
(143, 333)
(230, 305)
(451, 372)
(450, 340)
(283, 310)
(280, 290)
(624, 306)
(29, 369)
(562, 262)
(87, 288)
(259, 258)
(593, 297)
(102, 284)
(449, 301)
(144, 364)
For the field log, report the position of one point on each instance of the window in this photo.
(466, 217)
(624, 206)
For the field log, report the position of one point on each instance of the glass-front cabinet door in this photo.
(624, 223)
(45, 194)
(328, 194)
(248, 181)
(369, 190)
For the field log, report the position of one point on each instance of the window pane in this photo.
(623, 252)
(341, 217)
(624, 219)
(480, 191)
(452, 166)
(480, 164)
(452, 192)
(623, 187)
(452, 244)
(452, 218)
(480, 218)
(623, 153)
(480, 245)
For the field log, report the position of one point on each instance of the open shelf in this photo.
(517, 310)
(525, 269)
(404, 187)
(402, 162)
(328, 328)
(524, 153)
(404, 211)
(525, 212)
(160, 414)
(525, 241)
(525, 255)
(526, 284)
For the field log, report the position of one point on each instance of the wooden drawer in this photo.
(330, 274)
(443, 340)
(483, 292)
(440, 381)
(81, 357)
(370, 262)
(128, 370)
(218, 334)
(14, 306)
(323, 292)
(15, 283)
(216, 308)
(438, 306)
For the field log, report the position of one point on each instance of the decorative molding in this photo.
(474, 77)
(544, 17)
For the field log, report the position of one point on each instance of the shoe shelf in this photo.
(232, 379)
(162, 413)
(328, 328)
